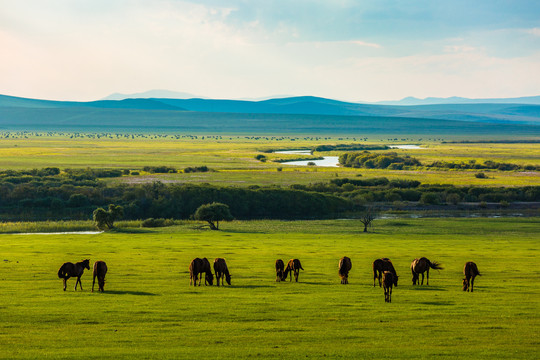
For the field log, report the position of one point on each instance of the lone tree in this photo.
(213, 213)
(367, 218)
(104, 219)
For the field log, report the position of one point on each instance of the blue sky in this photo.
(349, 50)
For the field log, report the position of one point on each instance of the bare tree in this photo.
(367, 217)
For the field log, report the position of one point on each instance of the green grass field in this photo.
(149, 310)
(234, 156)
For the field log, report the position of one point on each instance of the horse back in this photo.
(100, 269)
(345, 265)
(470, 269)
(66, 270)
(220, 265)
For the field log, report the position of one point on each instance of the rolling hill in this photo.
(293, 115)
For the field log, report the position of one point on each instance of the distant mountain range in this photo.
(534, 100)
(311, 114)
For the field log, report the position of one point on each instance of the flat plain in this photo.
(149, 310)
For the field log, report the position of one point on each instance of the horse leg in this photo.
(374, 277)
(390, 294)
(472, 284)
(422, 279)
(427, 274)
(65, 283)
(94, 281)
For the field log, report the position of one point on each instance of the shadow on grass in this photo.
(120, 292)
(129, 231)
(246, 286)
(438, 303)
(425, 288)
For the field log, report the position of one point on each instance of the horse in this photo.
(419, 266)
(470, 271)
(344, 267)
(100, 269)
(382, 265)
(68, 270)
(388, 281)
(199, 266)
(280, 266)
(221, 270)
(293, 266)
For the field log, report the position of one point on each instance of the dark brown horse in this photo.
(68, 270)
(382, 265)
(388, 281)
(221, 270)
(470, 271)
(293, 266)
(197, 268)
(100, 269)
(344, 267)
(421, 266)
(280, 266)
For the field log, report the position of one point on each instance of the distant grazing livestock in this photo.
(388, 281)
(197, 268)
(344, 267)
(382, 265)
(293, 266)
(68, 270)
(470, 271)
(280, 266)
(221, 270)
(100, 269)
(419, 266)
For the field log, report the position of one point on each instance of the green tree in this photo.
(213, 213)
(104, 219)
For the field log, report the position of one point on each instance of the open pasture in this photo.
(233, 157)
(149, 310)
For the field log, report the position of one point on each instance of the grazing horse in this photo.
(196, 268)
(280, 266)
(382, 265)
(388, 281)
(68, 270)
(100, 269)
(221, 270)
(344, 267)
(293, 266)
(419, 266)
(470, 271)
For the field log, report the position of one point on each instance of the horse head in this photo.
(395, 280)
(210, 278)
(86, 264)
(228, 279)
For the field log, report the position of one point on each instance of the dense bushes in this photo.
(369, 160)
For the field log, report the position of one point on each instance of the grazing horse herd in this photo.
(383, 269)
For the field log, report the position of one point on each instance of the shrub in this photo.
(480, 175)
(429, 199)
(152, 223)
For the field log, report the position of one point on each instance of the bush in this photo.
(429, 199)
(480, 175)
(153, 223)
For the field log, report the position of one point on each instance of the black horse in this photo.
(100, 269)
(68, 270)
(421, 266)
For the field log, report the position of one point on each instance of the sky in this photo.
(349, 50)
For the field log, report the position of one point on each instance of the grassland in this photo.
(233, 157)
(149, 310)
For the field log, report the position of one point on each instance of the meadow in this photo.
(234, 158)
(149, 310)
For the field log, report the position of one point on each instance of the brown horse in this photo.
(470, 271)
(100, 269)
(421, 266)
(68, 270)
(382, 265)
(280, 266)
(221, 270)
(388, 281)
(197, 268)
(344, 267)
(293, 266)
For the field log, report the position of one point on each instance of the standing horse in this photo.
(293, 266)
(344, 267)
(470, 271)
(388, 281)
(100, 269)
(68, 270)
(196, 268)
(382, 265)
(221, 270)
(421, 266)
(280, 266)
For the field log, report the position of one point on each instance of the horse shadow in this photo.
(127, 292)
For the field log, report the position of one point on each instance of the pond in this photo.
(330, 161)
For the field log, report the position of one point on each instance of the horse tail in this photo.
(435, 265)
(300, 265)
(61, 272)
